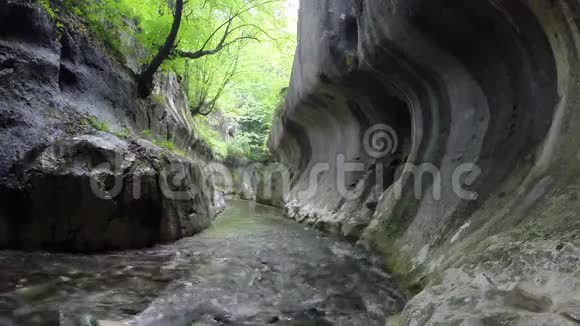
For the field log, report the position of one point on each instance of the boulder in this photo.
(97, 192)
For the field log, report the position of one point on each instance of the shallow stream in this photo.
(252, 267)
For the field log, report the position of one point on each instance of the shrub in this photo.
(147, 134)
(159, 99)
(45, 4)
(211, 137)
(99, 125)
(125, 133)
(163, 143)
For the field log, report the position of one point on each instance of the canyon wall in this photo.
(74, 171)
(444, 134)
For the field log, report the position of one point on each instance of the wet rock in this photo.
(273, 320)
(112, 194)
(377, 84)
(274, 182)
(247, 192)
(89, 321)
(52, 85)
(38, 318)
(222, 319)
(92, 321)
(497, 291)
(36, 292)
(38, 30)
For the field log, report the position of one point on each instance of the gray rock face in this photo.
(272, 185)
(266, 184)
(50, 84)
(96, 192)
(480, 95)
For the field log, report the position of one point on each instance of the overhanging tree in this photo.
(204, 102)
(212, 46)
(231, 34)
(145, 78)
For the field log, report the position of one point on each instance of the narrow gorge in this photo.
(423, 164)
(475, 203)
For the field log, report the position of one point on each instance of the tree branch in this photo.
(145, 78)
(228, 31)
(202, 53)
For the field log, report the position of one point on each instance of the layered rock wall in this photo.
(480, 96)
(66, 108)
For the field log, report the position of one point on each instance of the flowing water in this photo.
(252, 267)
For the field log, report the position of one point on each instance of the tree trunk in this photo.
(145, 78)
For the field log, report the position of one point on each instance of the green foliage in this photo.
(350, 60)
(243, 80)
(105, 20)
(211, 137)
(169, 145)
(45, 4)
(165, 143)
(147, 133)
(254, 117)
(53, 13)
(162, 142)
(244, 145)
(259, 92)
(237, 149)
(398, 263)
(97, 124)
(158, 99)
(112, 43)
(124, 134)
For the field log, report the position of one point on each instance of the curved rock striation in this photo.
(472, 188)
(59, 89)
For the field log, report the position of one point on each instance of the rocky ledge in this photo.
(471, 187)
(98, 192)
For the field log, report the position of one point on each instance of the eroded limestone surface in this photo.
(488, 83)
(66, 106)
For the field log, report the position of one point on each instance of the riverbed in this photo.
(252, 267)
